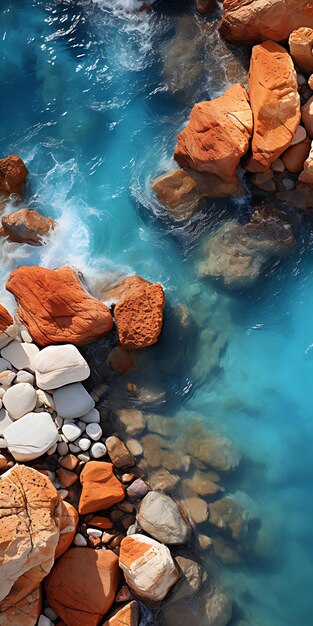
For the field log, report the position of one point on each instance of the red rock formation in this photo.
(82, 585)
(25, 612)
(101, 488)
(301, 49)
(5, 319)
(26, 226)
(13, 173)
(250, 21)
(55, 307)
(275, 103)
(217, 135)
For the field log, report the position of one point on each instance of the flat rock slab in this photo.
(31, 436)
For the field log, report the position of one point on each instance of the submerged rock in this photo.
(226, 515)
(210, 449)
(191, 574)
(212, 608)
(55, 308)
(160, 516)
(217, 135)
(13, 173)
(250, 21)
(27, 226)
(301, 49)
(203, 483)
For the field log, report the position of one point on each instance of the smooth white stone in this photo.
(73, 448)
(8, 336)
(84, 456)
(299, 136)
(3, 444)
(52, 449)
(84, 443)
(49, 612)
(94, 431)
(57, 366)
(21, 355)
(44, 621)
(80, 541)
(26, 336)
(19, 400)
(98, 450)
(71, 431)
(93, 417)
(2, 392)
(6, 378)
(45, 399)
(24, 377)
(31, 436)
(72, 401)
(94, 532)
(5, 365)
(62, 448)
(5, 420)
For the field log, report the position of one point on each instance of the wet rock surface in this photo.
(26, 226)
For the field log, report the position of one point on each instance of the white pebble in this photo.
(6, 378)
(63, 493)
(3, 444)
(49, 612)
(44, 621)
(71, 431)
(74, 448)
(94, 431)
(98, 450)
(24, 377)
(84, 456)
(45, 399)
(84, 443)
(93, 417)
(52, 449)
(26, 336)
(21, 355)
(5, 365)
(94, 532)
(62, 448)
(80, 540)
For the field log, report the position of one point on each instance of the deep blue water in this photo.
(85, 102)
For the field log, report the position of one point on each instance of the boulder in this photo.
(191, 574)
(213, 608)
(301, 49)
(251, 21)
(181, 191)
(30, 513)
(228, 516)
(19, 400)
(13, 173)
(27, 226)
(148, 568)
(68, 524)
(211, 449)
(132, 420)
(25, 612)
(100, 488)
(72, 401)
(127, 615)
(82, 585)
(295, 156)
(307, 175)
(119, 453)
(161, 517)
(236, 254)
(196, 509)
(56, 366)
(203, 483)
(275, 103)
(55, 308)
(307, 116)
(30, 436)
(217, 135)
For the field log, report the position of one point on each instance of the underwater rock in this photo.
(119, 453)
(307, 175)
(93, 576)
(13, 173)
(163, 480)
(120, 360)
(213, 608)
(301, 49)
(217, 135)
(251, 21)
(205, 6)
(132, 420)
(26, 226)
(228, 516)
(203, 483)
(275, 103)
(196, 509)
(55, 308)
(237, 254)
(182, 190)
(210, 449)
(191, 574)
(101, 488)
(158, 452)
(127, 615)
(161, 517)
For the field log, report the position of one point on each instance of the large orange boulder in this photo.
(68, 524)
(275, 103)
(301, 49)
(26, 226)
(82, 585)
(6, 319)
(13, 173)
(101, 488)
(217, 135)
(55, 307)
(250, 21)
(25, 612)
(138, 311)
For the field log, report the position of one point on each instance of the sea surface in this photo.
(92, 98)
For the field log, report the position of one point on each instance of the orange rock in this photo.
(69, 521)
(294, 157)
(250, 21)
(26, 226)
(301, 49)
(66, 477)
(217, 135)
(275, 103)
(98, 521)
(307, 175)
(5, 319)
(138, 313)
(120, 360)
(307, 116)
(101, 488)
(128, 615)
(55, 307)
(82, 585)
(69, 461)
(25, 612)
(13, 173)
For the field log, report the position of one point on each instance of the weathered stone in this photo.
(196, 509)
(128, 615)
(19, 400)
(73, 401)
(227, 515)
(21, 355)
(307, 116)
(27, 226)
(30, 436)
(163, 480)
(119, 453)
(217, 135)
(55, 308)
(138, 489)
(211, 449)
(133, 420)
(301, 49)
(13, 173)
(191, 574)
(25, 612)
(213, 608)
(93, 576)
(295, 156)
(68, 525)
(307, 175)
(57, 366)
(161, 517)
(101, 488)
(148, 568)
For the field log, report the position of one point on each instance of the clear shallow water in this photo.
(87, 105)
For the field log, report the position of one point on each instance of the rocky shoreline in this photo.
(105, 511)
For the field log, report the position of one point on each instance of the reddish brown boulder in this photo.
(128, 615)
(13, 173)
(275, 103)
(55, 308)
(68, 525)
(82, 585)
(25, 612)
(120, 360)
(6, 319)
(26, 226)
(101, 488)
(217, 135)
(301, 49)
(295, 156)
(250, 21)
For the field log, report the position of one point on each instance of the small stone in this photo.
(82, 425)
(49, 612)
(92, 417)
(44, 621)
(288, 184)
(21, 355)
(80, 541)
(128, 477)
(84, 443)
(299, 136)
(74, 448)
(94, 532)
(100, 488)
(45, 399)
(278, 166)
(99, 521)
(94, 542)
(69, 462)
(205, 542)
(134, 447)
(62, 448)
(84, 457)
(24, 377)
(26, 336)
(94, 431)
(6, 378)
(59, 421)
(5, 365)
(19, 400)
(138, 489)
(119, 453)
(98, 450)
(72, 401)
(71, 431)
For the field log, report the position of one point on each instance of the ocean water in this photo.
(92, 99)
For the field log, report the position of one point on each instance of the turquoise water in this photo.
(87, 104)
